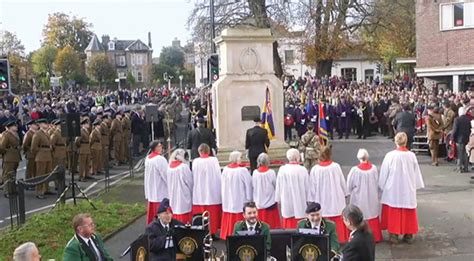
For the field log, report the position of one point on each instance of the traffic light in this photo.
(4, 75)
(213, 67)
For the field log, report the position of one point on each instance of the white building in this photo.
(292, 57)
(357, 68)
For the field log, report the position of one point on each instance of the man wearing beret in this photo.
(251, 223)
(96, 146)
(41, 148)
(322, 226)
(30, 157)
(163, 245)
(10, 148)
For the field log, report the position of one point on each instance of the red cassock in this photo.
(151, 211)
(215, 213)
(290, 223)
(228, 222)
(399, 221)
(342, 232)
(185, 218)
(271, 216)
(374, 225)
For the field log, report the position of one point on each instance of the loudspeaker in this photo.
(70, 125)
(151, 113)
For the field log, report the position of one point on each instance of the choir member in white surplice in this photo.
(264, 182)
(362, 184)
(328, 187)
(207, 186)
(400, 177)
(292, 190)
(156, 186)
(180, 187)
(236, 191)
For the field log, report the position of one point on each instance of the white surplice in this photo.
(206, 181)
(328, 188)
(180, 187)
(400, 177)
(264, 188)
(236, 189)
(292, 190)
(363, 189)
(156, 178)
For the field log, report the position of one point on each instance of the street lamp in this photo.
(181, 81)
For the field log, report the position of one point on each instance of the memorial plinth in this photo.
(246, 70)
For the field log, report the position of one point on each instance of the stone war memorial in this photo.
(246, 71)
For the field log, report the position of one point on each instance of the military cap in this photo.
(313, 207)
(10, 123)
(43, 120)
(85, 121)
(28, 123)
(96, 122)
(164, 206)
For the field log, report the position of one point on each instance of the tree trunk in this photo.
(277, 67)
(323, 68)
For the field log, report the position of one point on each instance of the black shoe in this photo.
(90, 177)
(50, 193)
(40, 197)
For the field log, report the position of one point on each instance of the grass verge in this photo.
(51, 231)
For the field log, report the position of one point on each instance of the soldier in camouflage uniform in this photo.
(309, 145)
(394, 108)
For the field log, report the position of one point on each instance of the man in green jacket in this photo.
(85, 245)
(322, 226)
(251, 223)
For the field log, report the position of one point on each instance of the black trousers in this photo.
(253, 164)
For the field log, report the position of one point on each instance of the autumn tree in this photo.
(101, 69)
(172, 57)
(391, 31)
(61, 30)
(68, 64)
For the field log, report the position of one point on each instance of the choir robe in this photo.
(292, 191)
(400, 177)
(328, 188)
(362, 184)
(207, 189)
(180, 188)
(236, 191)
(156, 186)
(264, 182)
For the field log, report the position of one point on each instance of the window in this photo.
(111, 45)
(289, 56)
(138, 59)
(457, 16)
(139, 77)
(369, 75)
(350, 74)
(121, 60)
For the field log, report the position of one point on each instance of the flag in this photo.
(323, 125)
(209, 122)
(267, 118)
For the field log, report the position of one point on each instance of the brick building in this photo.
(445, 43)
(126, 55)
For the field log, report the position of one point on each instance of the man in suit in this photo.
(361, 245)
(321, 225)
(163, 244)
(10, 150)
(138, 126)
(85, 245)
(251, 223)
(461, 133)
(41, 148)
(199, 136)
(405, 122)
(434, 126)
(256, 142)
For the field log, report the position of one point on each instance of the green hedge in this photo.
(51, 231)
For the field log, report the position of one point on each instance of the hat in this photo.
(28, 123)
(201, 120)
(313, 207)
(98, 113)
(56, 122)
(85, 121)
(10, 123)
(43, 120)
(96, 122)
(310, 125)
(105, 116)
(164, 206)
(84, 114)
(256, 119)
(107, 110)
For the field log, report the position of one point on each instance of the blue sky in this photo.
(123, 19)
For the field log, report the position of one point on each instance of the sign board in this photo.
(250, 112)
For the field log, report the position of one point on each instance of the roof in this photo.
(121, 45)
(94, 45)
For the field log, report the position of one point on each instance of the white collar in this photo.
(162, 224)
(85, 239)
(250, 225)
(315, 224)
(352, 233)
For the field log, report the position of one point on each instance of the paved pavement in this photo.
(445, 210)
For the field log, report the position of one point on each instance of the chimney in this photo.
(149, 39)
(105, 39)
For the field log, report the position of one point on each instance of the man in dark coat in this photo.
(461, 133)
(405, 122)
(199, 136)
(163, 244)
(256, 142)
(361, 245)
(138, 127)
(343, 112)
